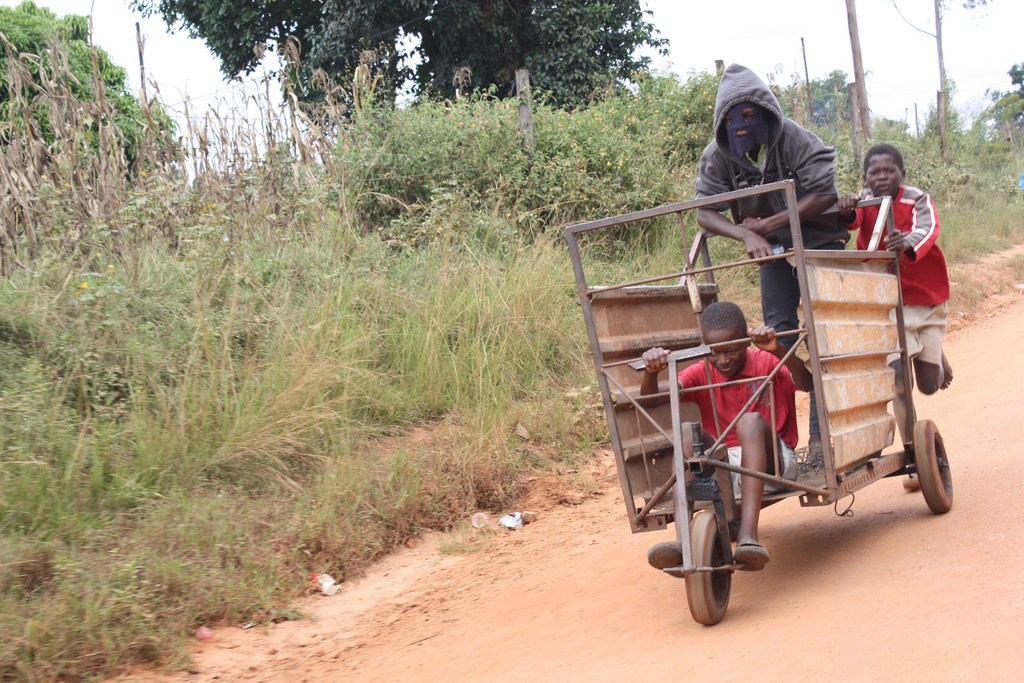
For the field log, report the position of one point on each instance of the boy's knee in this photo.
(752, 425)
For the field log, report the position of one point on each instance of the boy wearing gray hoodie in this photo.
(755, 145)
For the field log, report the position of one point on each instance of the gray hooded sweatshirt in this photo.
(793, 153)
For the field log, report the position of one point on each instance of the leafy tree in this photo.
(829, 95)
(1009, 106)
(31, 33)
(831, 98)
(570, 46)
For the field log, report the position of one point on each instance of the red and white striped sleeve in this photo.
(924, 226)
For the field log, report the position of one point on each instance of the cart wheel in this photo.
(707, 592)
(933, 467)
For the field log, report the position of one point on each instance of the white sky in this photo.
(902, 65)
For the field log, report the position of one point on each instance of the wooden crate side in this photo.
(843, 288)
(629, 321)
(836, 338)
(852, 301)
(858, 387)
(859, 434)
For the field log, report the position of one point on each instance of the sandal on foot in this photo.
(750, 554)
(665, 555)
(947, 373)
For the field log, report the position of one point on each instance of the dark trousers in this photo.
(780, 300)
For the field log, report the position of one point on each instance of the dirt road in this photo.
(894, 591)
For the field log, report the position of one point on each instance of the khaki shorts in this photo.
(925, 329)
(786, 455)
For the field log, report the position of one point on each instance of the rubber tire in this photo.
(707, 592)
(933, 467)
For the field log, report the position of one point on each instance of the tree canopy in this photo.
(1009, 106)
(828, 94)
(569, 46)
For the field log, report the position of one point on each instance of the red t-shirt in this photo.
(730, 400)
(923, 276)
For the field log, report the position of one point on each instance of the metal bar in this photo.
(699, 241)
(716, 385)
(812, 344)
(714, 401)
(877, 469)
(862, 354)
(695, 271)
(602, 381)
(847, 255)
(706, 387)
(705, 256)
(909, 412)
(876, 232)
(678, 207)
(861, 203)
(770, 478)
(682, 353)
(680, 501)
(776, 456)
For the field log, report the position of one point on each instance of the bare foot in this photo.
(947, 373)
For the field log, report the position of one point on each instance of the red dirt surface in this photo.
(892, 592)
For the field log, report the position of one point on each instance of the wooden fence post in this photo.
(807, 79)
(525, 109)
(855, 118)
(940, 99)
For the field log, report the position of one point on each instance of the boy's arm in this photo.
(753, 231)
(924, 227)
(808, 206)
(764, 338)
(717, 224)
(848, 213)
(654, 362)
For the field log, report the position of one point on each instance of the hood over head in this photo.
(740, 85)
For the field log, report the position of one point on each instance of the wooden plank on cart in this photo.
(852, 301)
(627, 322)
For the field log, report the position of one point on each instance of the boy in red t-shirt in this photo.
(751, 441)
(923, 278)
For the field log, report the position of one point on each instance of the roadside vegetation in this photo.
(224, 366)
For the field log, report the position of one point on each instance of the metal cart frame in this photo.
(705, 541)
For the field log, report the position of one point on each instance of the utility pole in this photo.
(855, 125)
(807, 78)
(941, 95)
(858, 72)
(142, 65)
(525, 109)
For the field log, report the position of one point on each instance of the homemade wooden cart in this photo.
(852, 321)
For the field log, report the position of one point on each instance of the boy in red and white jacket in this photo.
(923, 276)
